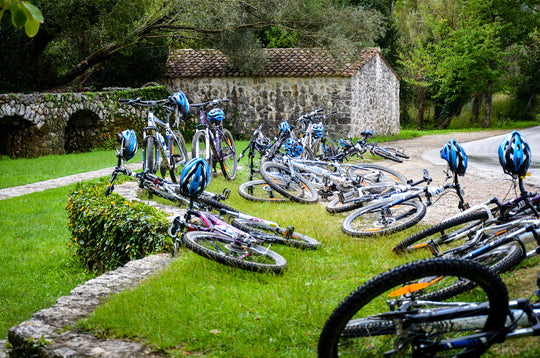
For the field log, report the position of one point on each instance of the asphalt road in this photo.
(483, 153)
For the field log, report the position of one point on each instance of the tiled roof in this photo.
(294, 62)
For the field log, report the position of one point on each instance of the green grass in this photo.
(36, 266)
(195, 306)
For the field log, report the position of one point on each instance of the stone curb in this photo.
(53, 324)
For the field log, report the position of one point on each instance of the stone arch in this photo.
(18, 136)
(83, 131)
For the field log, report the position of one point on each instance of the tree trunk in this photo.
(421, 107)
(488, 106)
(477, 102)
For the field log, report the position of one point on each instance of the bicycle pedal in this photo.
(226, 193)
(289, 232)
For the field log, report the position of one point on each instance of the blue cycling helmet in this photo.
(128, 144)
(195, 177)
(515, 154)
(284, 127)
(179, 99)
(216, 114)
(318, 130)
(456, 157)
(293, 148)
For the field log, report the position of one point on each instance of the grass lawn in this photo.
(194, 306)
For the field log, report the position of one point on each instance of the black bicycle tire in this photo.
(440, 228)
(395, 151)
(150, 150)
(338, 206)
(490, 283)
(386, 154)
(195, 151)
(224, 168)
(512, 256)
(320, 148)
(191, 241)
(395, 176)
(183, 153)
(244, 192)
(335, 206)
(212, 204)
(297, 240)
(420, 212)
(307, 186)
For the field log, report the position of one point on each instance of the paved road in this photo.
(483, 154)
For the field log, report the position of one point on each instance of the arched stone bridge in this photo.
(56, 123)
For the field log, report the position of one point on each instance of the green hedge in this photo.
(107, 232)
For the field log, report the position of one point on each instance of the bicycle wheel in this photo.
(370, 174)
(212, 204)
(356, 198)
(227, 156)
(151, 154)
(447, 232)
(199, 148)
(227, 251)
(296, 188)
(178, 156)
(278, 235)
(325, 148)
(387, 316)
(376, 220)
(383, 152)
(259, 190)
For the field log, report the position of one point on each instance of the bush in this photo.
(109, 231)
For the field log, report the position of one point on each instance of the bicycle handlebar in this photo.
(213, 102)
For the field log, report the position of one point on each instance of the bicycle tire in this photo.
(325, 148)
(227, 157)
(151, 154)
(178, 156)
(212, 204)
(260, 191)
(443, 233)
(276, 234)
(383, 152)
(199, 149)
(222, 249)
(367, 220)
(499, 259)
(352, 199)
(357, 319)
(296, 188)
(369, 174)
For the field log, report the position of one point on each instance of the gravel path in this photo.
(479, 184)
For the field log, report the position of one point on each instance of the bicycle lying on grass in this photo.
(238, 245)
(213, 142)
(171, 146)
(401, 207)
(394, 314)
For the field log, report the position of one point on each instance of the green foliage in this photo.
(109, 231)
(23, 14)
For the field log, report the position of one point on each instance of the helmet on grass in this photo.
(128, 144)
(456, 157)
(179, 99)
(318, 130)
(515, 154)
(293, 147)
(195, 177)
(216, 114)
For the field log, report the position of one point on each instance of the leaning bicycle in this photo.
(212, 142)
(170, 147)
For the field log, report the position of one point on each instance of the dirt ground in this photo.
(479, 184)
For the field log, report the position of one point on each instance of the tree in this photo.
(81, 35)
(23, 14)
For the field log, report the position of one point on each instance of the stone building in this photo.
(364, 92)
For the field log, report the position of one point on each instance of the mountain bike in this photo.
(171, 146)
(384, 151)
(466, 225)
(398, 209)
(257, 189)
(214, 143)
(393, 314)
(302, 180)
(314, 137)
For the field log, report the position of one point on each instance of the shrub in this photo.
(109, 231)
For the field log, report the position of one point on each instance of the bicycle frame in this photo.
(213, 133)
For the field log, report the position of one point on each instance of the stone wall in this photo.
(57, 123)
(367, 100)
